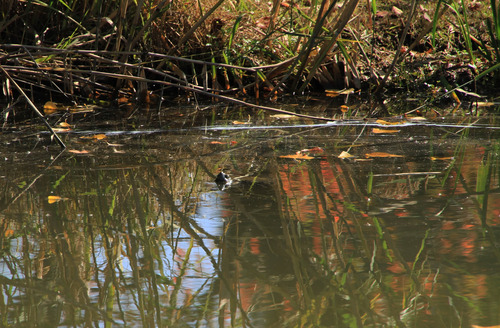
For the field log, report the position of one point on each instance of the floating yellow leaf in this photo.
(51, 107)
(416, 118)
(345, 154)
(381, 154)
(75, 151)
(283, 116)
(388, 123)
(377, 130)
(54, 199)
(60, 130)
(100, 136)
(114, 145)
(297, 155)
(442, 158)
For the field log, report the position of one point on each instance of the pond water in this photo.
(128, 228)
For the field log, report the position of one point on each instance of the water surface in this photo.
(127, 227)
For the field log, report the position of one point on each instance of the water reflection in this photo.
(131, 230)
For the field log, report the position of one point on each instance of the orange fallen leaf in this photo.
(387, 122)
(100, 136)
(217, 143)
(344, 108)
(239, 122)
(233, 142)
(297, 155)
(75, 151)
(381, 154)
(377, 130)
(54, 199)
(64, 125)
(50, 107)
(95, 136)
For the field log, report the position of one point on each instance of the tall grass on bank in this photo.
(221, 47)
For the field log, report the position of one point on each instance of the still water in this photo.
(356, 223)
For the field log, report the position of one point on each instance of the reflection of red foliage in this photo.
(305, 201)
(255, 246)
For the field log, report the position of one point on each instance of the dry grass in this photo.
(297, 45)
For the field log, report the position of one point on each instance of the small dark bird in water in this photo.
(223, 180)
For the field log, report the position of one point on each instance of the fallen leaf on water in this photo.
(297, 155)
(335, 93)
(114, 145)
(381, 154)
(60, 130)
(313, 150)
(282, 116)
(442, 158)
(95, 137)
(344, 108)
(100, 136)
(377, 130)
(74, 151)
(51, 107)
(64, 125)
(55, 199)
(345, 154)
(416, 118)
(239, 122)
(388, 123)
